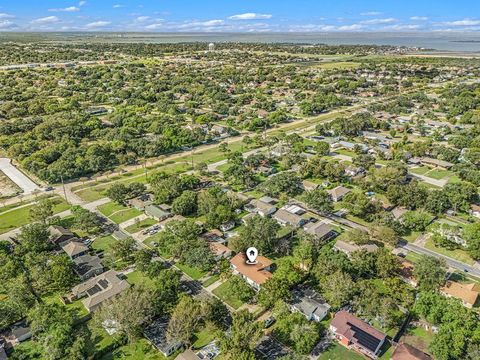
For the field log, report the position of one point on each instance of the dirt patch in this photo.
(7, 187)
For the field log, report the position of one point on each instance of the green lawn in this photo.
(139, 350)
(458, 254)
(339, 352)
(110, 208)
(418, 337)
(438, 174)
(132, 229)
(420, 170)
(203, 337)
(194, 273)
(137, 277)
(210, 280)
(19, 217)
(103, 243)
(223, 293)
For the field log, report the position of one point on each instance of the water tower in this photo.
(211, 47)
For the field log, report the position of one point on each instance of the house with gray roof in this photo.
(156, 334)
(308, 303)
(87, 266)
(75, 249)
(156, 212)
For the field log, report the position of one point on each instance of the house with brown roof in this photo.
(356, 334)
(466, 293)
(219, 250)
(59, 234)
(408, 352)
(338, 193)
(254, 274)
(75, 249)
(427, 161)
(99, 289)
(348, 248)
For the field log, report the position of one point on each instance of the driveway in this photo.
(19, 178)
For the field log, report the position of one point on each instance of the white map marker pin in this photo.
(252, 254)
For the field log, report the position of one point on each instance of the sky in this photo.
(240, 15)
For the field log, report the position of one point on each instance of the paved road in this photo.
(19, 178)
(450, 262)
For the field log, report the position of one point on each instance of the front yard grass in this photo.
(132, 229)
(210, 280)
(110, 208)
(339, 352)
(194, 273)
(124, 215)
(457, 254)
(139, 350)
(225, 295)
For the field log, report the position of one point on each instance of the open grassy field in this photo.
(339, 352)
(18, 217)
(194, 273)
(118, 213)
(139, 350)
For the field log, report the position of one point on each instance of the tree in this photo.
(166, 290)
(273, 290)
(41, 211)
(185, 319)
(239, 343)
(143, 259)
(387, 264)
(384, 234)
(319, 200)
(124, 250)
(86, 220)
(338, 289)
(358, 236)
(118, 192)
(471, 234)
(322, 148)
(34, 238)
(358, 204)
(286, 182)
(52, 327)
(128, 312)
(185, 204)
(430, 273)
(260, 232)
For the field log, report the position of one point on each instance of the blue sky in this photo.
(240, 15)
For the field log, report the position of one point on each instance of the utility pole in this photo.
(64, 191)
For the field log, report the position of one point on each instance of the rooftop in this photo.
(256, 272)
(468, 293)
(408, 352)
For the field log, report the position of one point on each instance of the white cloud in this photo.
(402, 27)
(6, 16)
(154, 26)
(464, 22)
(67, 9)
(46, 20)
(97, 24)
(379, 21)
(142, 18)
(371, 13)
(326, 28)
(81, 3)
(118, 6)
(7, 25)
(418, 18)
(250, 16)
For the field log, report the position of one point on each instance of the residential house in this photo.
(356, 334)
(320, 230)
(475, 210)
(353, 171)
(268, 200)
(279, 151)
(349, 249)
(338, 193)
(99, 288)
(427, 161)
(156, 212)
(284, 218)
(406, 273)
(87, 266)
(220, 251)
(141, 202)
(406, 351)
(398, 212)
(308, 303)
(467, 293)
(229, 225)
(59, 234)
(261, 208)
(309, 186)
(75, 249)
(254, 274)
(213, 235)
(294, 209)
(156, 333)
(187, 355)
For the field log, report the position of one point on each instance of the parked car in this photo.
(269, 322)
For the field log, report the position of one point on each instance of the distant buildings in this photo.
(356, 334)
(338, 193)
